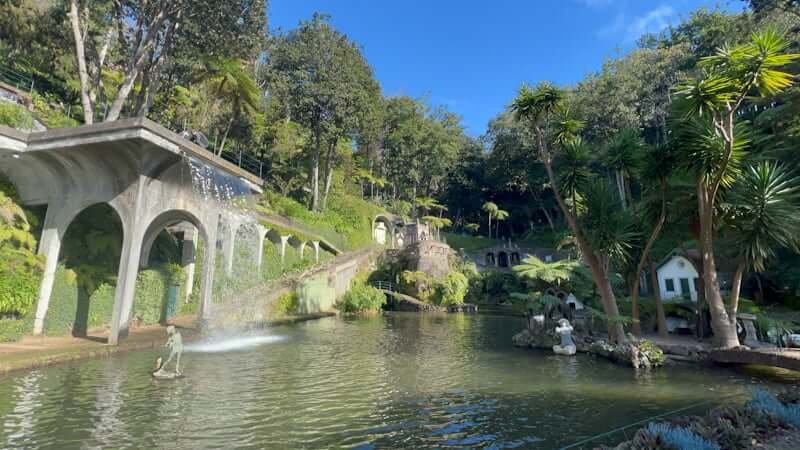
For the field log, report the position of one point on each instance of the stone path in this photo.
(40, 351)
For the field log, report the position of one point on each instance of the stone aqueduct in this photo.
(152, 178)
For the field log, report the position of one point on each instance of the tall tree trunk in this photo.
(661, 317)
(616, 332)
(225, 137)
(315, 170)
(331, 154)
(80, 55)
(637, 324)
(146, 41)
(490, 225)
(736, 288)
(621, 189)
(548, 217)
(645, 256)
(724, 331)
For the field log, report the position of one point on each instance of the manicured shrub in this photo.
(362, 298)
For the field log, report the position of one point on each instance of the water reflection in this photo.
(397, 381)
(19, 424)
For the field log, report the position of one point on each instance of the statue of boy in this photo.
(567, 346)
(175, 345)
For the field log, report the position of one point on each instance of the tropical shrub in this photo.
(417, 284)
(362, 298)
(286, 304)
(15, 116)
(451, 289)
(20, 267)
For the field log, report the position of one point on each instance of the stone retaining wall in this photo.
(318, 289)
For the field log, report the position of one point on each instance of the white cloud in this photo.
(653, 21)
(596, 3)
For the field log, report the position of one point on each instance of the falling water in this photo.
(232, 302)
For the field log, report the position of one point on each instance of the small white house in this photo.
(677, 278)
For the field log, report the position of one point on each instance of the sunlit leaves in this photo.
(765, 206)
(537, 102)
(703, 150)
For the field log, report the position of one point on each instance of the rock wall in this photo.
(642, 354)
(430, 257)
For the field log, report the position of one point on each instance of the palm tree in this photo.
(658, 164)
(542, 107)
(426, 203)
(233, 85)
(710, 105)
(573, 165)
(472, 227)
(623, 155)
(499, 216)
(766, 203)
(438, 223)
(550, 273)
(490, 208)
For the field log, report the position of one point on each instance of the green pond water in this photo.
(391, 381)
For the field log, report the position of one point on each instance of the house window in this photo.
(685, 286)
(670, 284)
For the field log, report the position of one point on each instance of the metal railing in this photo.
(15, 78)
(384, 286)
(244, 161)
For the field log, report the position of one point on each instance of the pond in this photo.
(391, 381)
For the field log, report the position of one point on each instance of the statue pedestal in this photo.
(750, 335)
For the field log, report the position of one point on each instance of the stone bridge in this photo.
(152, 178)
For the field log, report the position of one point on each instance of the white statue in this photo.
(567, 346)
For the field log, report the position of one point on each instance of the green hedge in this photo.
(346, 223)
(15, 116)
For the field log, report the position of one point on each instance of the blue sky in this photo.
(472, 55)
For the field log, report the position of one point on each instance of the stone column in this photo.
(303, 250)
(188, 254)
(262, 233)
(49, 247)
(284, 241)
(496, 258)
(316, 250)
(209, 261)
(126, 280)
(228, 243)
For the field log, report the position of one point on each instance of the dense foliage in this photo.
(362, 298)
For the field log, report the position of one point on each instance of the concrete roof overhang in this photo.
(136, 132)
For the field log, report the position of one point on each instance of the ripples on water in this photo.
(397, 381)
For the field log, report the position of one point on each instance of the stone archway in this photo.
(502, 259)
(383, 231)
(490, 259)
(89, 248)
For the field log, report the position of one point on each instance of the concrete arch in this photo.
(57, 223)
(384, 229)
